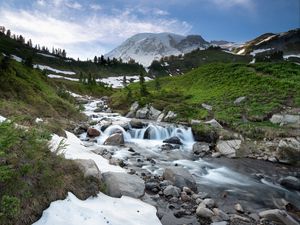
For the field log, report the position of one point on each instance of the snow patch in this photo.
(39, 120)
(253, 53)
(62, 77)
(266, 39)
(47, 55)
(2, 119)
(43, 67)
(288, 56)
(117, 82)
(101, 210)
(242, 51)
(17, 58)
(73, 148)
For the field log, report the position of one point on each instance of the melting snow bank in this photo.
(72, 148)
(117, 82)
(2, 119)
(62, 77)
(101, 210)
(43, 67)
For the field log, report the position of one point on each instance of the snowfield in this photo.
(62, 77)
(73, 148)
(43, 67)
(17, 58)
(253, 53)
(117, 82)
(101, 210)
(288, 56)
(47, 55)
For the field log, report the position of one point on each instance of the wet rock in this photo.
(81, 129)
(153, 187)
(180, 177)
(238, 208)
(173, 140)
(195, 122)
(235, 219)
(208, 202)
(288, 151)
(170, 219)
(160, 117)
(239, 100)
(119, 184)
(134, 107)
(290, 182)
(229, 148)
(204, 212)
(200, 148)
(279, 216)
(184, 197)
(92, 132)
(89, 168)
(172, 191)
(137, 124)
(219, 223)
(219, 215)
(168, 147)
(115, 139)
(170, 116)
(187, 190)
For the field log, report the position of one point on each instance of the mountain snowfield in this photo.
(146, 47)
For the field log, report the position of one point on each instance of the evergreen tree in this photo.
(95, 59)
(143, 88)
(5, 63)
(124, 81)
(8, 33)
(28, 62)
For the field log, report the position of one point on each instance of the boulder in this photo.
(200, 148)
(173, 140)
(229, 148)
(207, 107)
(89, 168)
(142, 113)
(137, 124)
(160, 117)
(119, 184)
(92, 132)
(115, 139)
(195, 122)
(208, 202)
(180, 177)
(286, 119)
(134, 107)
(278, 216)
(153, 113)
(238, 208)
(214, 124)
(172, 191)
(219, 215)
(170, 116)
(290, 182)
(168, 147)
(204, 212)
(288, 151)
(239, 100)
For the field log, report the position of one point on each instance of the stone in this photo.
(115, 139)
(207, 107)
(184, 197)
(238, 208)
(89, 168)
(160, 117)
(180, 177)
(229, 148)
(199, 148)
(142, 113)
(187, 190)
(286, 119)
(288, 151)
(137, 124)
(153, 113)
(170, 116)
(92, 132)
(209, 203)
(214, 123)
(239, 100)
(279, 216)
(195, 122)
(204, 212)
(172, 191)
(219, 215)
(119, 184)
(173, 140)
(168, 147)
(134, 107)
(290, 182)
(219, 223)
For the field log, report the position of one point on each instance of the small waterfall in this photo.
(153, 132)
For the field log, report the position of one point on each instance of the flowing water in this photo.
(252, 183)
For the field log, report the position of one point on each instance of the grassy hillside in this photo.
(177, 65)
(267, 87)
(10, 46)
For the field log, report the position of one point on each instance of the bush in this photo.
(9, 208)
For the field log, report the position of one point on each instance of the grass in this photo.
(31, 176)
(268, 87)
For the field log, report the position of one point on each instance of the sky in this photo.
(86, 28)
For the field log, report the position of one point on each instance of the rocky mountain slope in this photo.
(146, 47)
(288, 42)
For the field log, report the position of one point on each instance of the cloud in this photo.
(89, 35)
(73, 5)
(95, 7)
(248, 4)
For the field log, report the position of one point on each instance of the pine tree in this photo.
(95, 59)
(8, 33)
(143, 89)
(124, 81)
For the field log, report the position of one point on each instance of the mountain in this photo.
(146, 47)
(287, 42)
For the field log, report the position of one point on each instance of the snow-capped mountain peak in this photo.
(146, 47)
